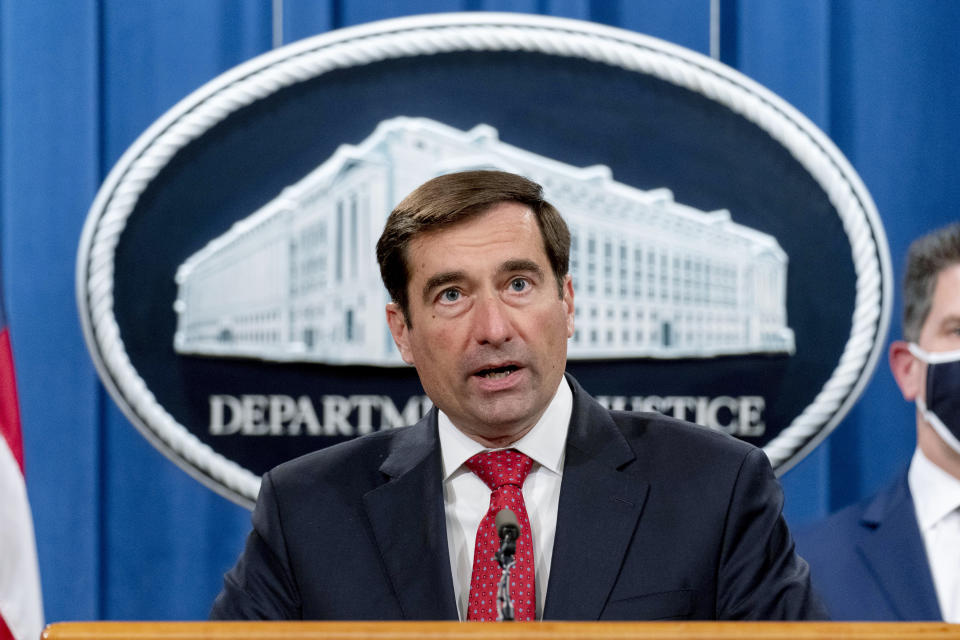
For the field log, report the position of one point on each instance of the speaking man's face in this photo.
(488, 329)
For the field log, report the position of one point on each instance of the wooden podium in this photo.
(483, 630)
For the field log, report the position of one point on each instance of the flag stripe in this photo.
(5, 631)
(21, 605)
(9, 412)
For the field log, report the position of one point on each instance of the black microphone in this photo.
(508, 528)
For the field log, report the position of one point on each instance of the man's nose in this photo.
(492, 322)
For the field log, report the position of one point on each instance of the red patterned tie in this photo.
(504, 472)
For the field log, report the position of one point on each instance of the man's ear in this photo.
(907, 370)
(397, 322)
(567, 295)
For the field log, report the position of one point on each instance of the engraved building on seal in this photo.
(298, 280)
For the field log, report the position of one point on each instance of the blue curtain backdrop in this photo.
(125, 534)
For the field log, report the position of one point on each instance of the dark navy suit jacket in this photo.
(658, 519)
(868, 561)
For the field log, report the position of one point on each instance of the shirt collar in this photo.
(544, 443)
(935, 492)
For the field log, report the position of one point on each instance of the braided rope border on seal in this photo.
(426, 35)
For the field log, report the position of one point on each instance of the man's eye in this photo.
(450, 295)
(518, 284)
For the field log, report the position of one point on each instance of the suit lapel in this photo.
(598, 513)
(906, 581)
(407, 517)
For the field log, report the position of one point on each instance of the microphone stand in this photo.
(505, 558)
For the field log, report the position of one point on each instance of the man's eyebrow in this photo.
(439, 280)
(949, 321)
(521, 264)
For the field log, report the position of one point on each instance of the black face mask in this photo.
(942, 406)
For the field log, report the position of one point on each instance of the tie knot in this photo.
(497, 468)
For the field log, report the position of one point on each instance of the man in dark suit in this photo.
(896, 556)
(623, 516)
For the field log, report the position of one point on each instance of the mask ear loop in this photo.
(945, 434)
(932, 419)
(933, 358)
(918, 353)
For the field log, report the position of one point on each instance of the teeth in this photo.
(496, 374)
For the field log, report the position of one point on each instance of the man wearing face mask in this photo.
(896, 556)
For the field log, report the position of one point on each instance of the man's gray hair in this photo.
(927, 257)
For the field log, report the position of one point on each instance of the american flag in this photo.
(21, 608)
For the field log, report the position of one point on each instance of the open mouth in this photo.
(496, 372)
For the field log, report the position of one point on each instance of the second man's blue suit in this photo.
(868, 561)
(658, 519)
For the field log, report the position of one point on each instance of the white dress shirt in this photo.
(466, 497)
(936, 498)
